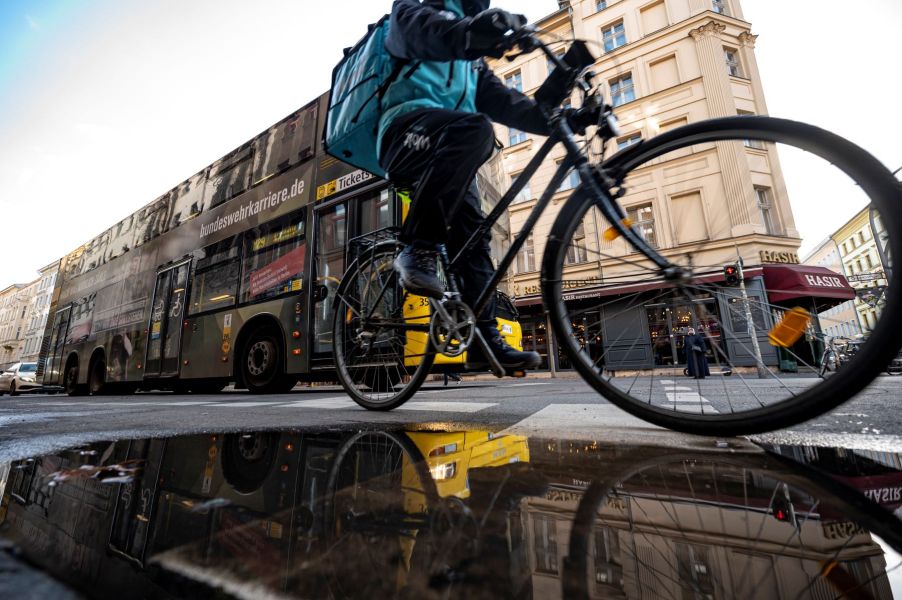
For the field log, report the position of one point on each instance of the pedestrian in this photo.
(455, 376)
(695, 347)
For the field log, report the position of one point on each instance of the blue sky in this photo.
(106, 104)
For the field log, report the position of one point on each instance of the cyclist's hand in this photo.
(487, 33)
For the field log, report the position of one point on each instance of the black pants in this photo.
(437, 153)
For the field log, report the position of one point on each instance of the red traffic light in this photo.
(731, 274)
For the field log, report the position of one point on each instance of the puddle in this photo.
(455, 514)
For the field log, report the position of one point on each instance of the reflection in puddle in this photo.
(462, 514)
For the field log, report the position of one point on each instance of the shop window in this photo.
(526, 260)
(215, 281)
(643, 219)
(274, 257)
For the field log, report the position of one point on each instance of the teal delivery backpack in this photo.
(359, 82)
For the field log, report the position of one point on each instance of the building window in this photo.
(526, 258)
(720, 7)
(765, 205)
(525, 194)
(545, 536)
(628, 140)
(756, 144)
(601, 5)
(622, 90)
(570, 181)
(550, 63)
(643, 219)
(734, 67)
(614, 36)
(576, 251)
(515, 136)
(514, 81)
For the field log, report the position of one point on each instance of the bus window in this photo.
(377, 212)
(285, 144)
(229, 176)
(274, 260)
(215, 282)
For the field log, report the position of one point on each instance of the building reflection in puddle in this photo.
(458, 514)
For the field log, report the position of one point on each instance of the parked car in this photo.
(18, 378)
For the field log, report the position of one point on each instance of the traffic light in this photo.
(731, 274)
(782, 509)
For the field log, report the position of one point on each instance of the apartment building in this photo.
(663, 64)
(37, 312)
(862, 263)
(13, 307)
(840, 320)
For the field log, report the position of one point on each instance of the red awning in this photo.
(785, 282)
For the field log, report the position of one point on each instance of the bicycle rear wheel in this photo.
(701, 194)
(380, 333)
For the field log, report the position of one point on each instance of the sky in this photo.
(107, 104)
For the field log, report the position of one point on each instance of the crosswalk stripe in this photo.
(327, 403)
(464, 407)
(526, 384)
(244, 404)
(599, 417)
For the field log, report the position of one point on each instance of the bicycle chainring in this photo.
(452, 327)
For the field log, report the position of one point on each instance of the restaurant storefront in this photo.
(644, 327)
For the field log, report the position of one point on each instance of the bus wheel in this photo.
(247, 459)
(262, 364)
(71, 380)
(97, 377)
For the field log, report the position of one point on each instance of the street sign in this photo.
(865, 277)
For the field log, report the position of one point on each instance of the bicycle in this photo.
(831, 358)
(385, 341)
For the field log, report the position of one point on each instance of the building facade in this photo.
(861, 261)
(841, 320)
(13, 307)
(662, 65)
(38, 310)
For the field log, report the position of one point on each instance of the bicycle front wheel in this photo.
(816, 222)
(380, 333)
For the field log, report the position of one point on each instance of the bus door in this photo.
(53, 366)
(331, 231)
(164, 337)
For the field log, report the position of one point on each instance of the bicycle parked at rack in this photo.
(385, 340)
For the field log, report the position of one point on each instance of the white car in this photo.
(19, 377)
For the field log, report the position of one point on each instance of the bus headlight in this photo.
(444, 471)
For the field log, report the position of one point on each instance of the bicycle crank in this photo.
(452, 327)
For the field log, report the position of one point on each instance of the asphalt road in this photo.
(566, 408)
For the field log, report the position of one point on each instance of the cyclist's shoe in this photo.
(416, 268)
(507, 355)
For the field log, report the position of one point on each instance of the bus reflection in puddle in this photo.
(455, 514)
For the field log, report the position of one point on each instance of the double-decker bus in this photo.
(227, 277)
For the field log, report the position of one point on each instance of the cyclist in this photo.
(435, 133)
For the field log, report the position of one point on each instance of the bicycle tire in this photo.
(371, 278)
(882, 189)
(762, 468)
(366, 458)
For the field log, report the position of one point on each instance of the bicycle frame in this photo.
(589, 178)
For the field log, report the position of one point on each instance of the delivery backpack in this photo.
(359, 83)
